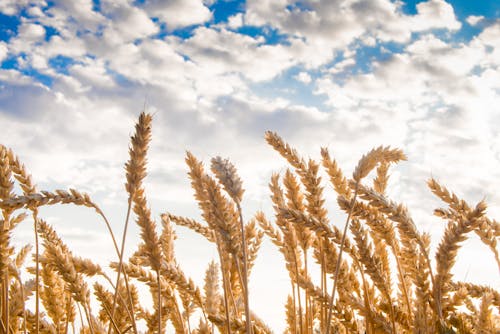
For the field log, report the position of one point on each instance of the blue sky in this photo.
(351, 75)
(221, 12)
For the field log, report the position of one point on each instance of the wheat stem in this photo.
(224, 283)
(120, 262)
(248, 323)
(159, 300)
(37, 274)
(339, 259)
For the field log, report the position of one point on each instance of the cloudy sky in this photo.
(347, 74)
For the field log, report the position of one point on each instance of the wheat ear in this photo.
(135, 173)
(191, 224)
(199, 185)
(364, 167)
(211, 288)
(228, 177)
(447, 252)
(6, 188)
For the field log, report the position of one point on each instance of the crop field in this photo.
(375, 272)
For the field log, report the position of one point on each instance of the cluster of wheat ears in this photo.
(375, 275)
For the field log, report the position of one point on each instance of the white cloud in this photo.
(369, 40)
(13, 77)
(30, 32)
(12, 7)
(222, 51)
(329, 26)
(124, 17)
(81, 11)
(430, 71)
(235, 21)
(303, 77)
(434, 14)
(92, 73)
(342, 65)
(179, 13)
(474, 19)
(4, 51)
(73, 48)
(456, 60)
(490, 36)
(35, 11)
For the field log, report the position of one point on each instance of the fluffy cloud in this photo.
(434, 14)
(12, 7)
(80, 11)
(221, 51)
(31, 32)
(327, 26)
(3, 51)
(430, 70)
(124, 17)
(179, 13)
(235, 21)
(474, 19)
(303, 77)
(93, 74)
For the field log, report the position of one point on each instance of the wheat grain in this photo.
(191, 224)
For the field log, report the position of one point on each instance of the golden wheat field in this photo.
(372, 273)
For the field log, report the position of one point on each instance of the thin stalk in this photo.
(179, 314)
(7, 308)
(248, 323)
(188, 324)
(308, 321)
(86, 309)
(240, 278)
(37, 274)
(5, 288)
(393, 320)
(4, 307)
(403, 283)
(224, 283)
(298, 293)
(68, 306)
(106, 309)
(120, 263)
(159, 300)
(106, 277)
(337, 268)
(21, 287)
(233, 300)
(1, 323)
(367, 302)
(115, 244)
(80, 313)
(324, 284)
(108, 226)
(294, 309)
